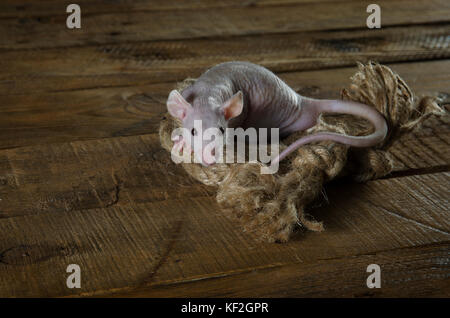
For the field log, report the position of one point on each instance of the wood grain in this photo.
(97, 173)
(408, 272)
(125, 26)
(127, 248)
(83, 179)
(124, 170)
(39, 118)
(131, 64)
(45, 8)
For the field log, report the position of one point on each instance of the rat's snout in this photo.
(209, 155)
(205, 147)
(206, 156)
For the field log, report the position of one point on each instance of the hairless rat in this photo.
(242, 94)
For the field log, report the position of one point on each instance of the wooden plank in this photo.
(78, 115)
(414, 152)
(36, 178)
(125, 248)
(128, 64)
(45, 8)
(97, 173)
(408, 272)
(124, 170)
(133, 220)
(37, 118)
(127, 27)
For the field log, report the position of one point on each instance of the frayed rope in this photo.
(272, 205)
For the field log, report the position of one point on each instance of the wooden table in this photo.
(83, 179)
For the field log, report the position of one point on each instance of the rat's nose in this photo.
(209, 156)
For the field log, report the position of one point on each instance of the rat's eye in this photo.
(222, 130)
(193, 132)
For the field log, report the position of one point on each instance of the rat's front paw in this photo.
(178, 144)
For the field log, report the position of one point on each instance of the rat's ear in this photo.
(233, 107)
(177, 105)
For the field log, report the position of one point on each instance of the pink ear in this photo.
(177, 105)
(233, 107)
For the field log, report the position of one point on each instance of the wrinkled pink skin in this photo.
(268, 103)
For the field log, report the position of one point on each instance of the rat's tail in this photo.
(343, 107)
